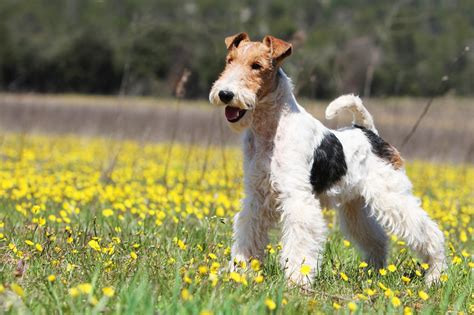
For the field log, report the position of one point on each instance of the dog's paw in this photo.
(433, 275)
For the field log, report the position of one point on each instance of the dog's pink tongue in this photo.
(232, 113)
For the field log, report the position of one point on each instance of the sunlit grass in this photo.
(102, 226)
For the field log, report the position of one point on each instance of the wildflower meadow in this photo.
(108, 226)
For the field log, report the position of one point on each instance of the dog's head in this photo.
(249, 75)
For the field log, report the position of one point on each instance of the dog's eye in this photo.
(256, 66)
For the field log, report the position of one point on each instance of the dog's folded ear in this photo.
(279, 48)
(234, 40)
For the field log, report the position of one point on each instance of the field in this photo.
(91, 226)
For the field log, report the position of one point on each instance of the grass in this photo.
(100, 226)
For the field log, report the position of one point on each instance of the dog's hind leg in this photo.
(399, 212)
(361, 228)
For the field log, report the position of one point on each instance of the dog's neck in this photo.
(272, 107)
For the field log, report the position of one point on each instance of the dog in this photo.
(294, 166)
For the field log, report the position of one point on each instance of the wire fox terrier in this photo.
(294, 166)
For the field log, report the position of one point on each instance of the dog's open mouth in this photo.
(234, 114)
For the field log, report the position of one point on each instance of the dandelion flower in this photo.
(392, 268)
(270, 304)
(74, 292)
(94, 245)
(336, 306)
(383, 272)
(17, 289)
(423, 295)
(255, 264)
(108, 291)
(51, 278)
(107, 213)
(396, 301)
(363, 264)
(258, 279)
(85, 288)
(352, 306)
(305, 270)
(185, 295)
(344, 276)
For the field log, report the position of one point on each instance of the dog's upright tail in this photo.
(353, 104)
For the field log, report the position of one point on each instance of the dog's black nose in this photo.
(226, 96)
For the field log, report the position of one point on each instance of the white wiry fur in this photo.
(373, 198)
(353, 104)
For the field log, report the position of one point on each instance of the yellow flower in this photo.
(107, 213)
(51, 278)
(181, 244)
(94, 245)
(362, 297)
(336, 306)
(423, 295)
(463, 236)
(457, 260)
(39, 247)
(407, 311)
(255, 264)
(369, 292)
(396, 301)
(352, 306)
(185, 295)
(363, 264)
(346, 243)
(383, 272)
(234, 276)
(2, 288)
(74, 292)
(344, 276)
(406, 279)
(29, 243)
(425, 266)
(205, 312)
(108, 291)
(270, 304)
(133, 255)
(203, 270)
(212, 256)
(85, 288)
(17, 289)
(258, 279)
(392, 268)
(305, 270)
(444, 277)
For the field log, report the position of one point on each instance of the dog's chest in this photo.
(260, 178)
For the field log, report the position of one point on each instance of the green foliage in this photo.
(143, 46)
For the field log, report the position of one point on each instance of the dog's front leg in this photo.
(250, 232)
(303, 237)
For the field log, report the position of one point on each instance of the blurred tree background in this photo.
(142, 47)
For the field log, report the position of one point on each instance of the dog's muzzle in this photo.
(234, 114)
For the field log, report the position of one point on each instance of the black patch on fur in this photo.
(329, 164)
(380, 147)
